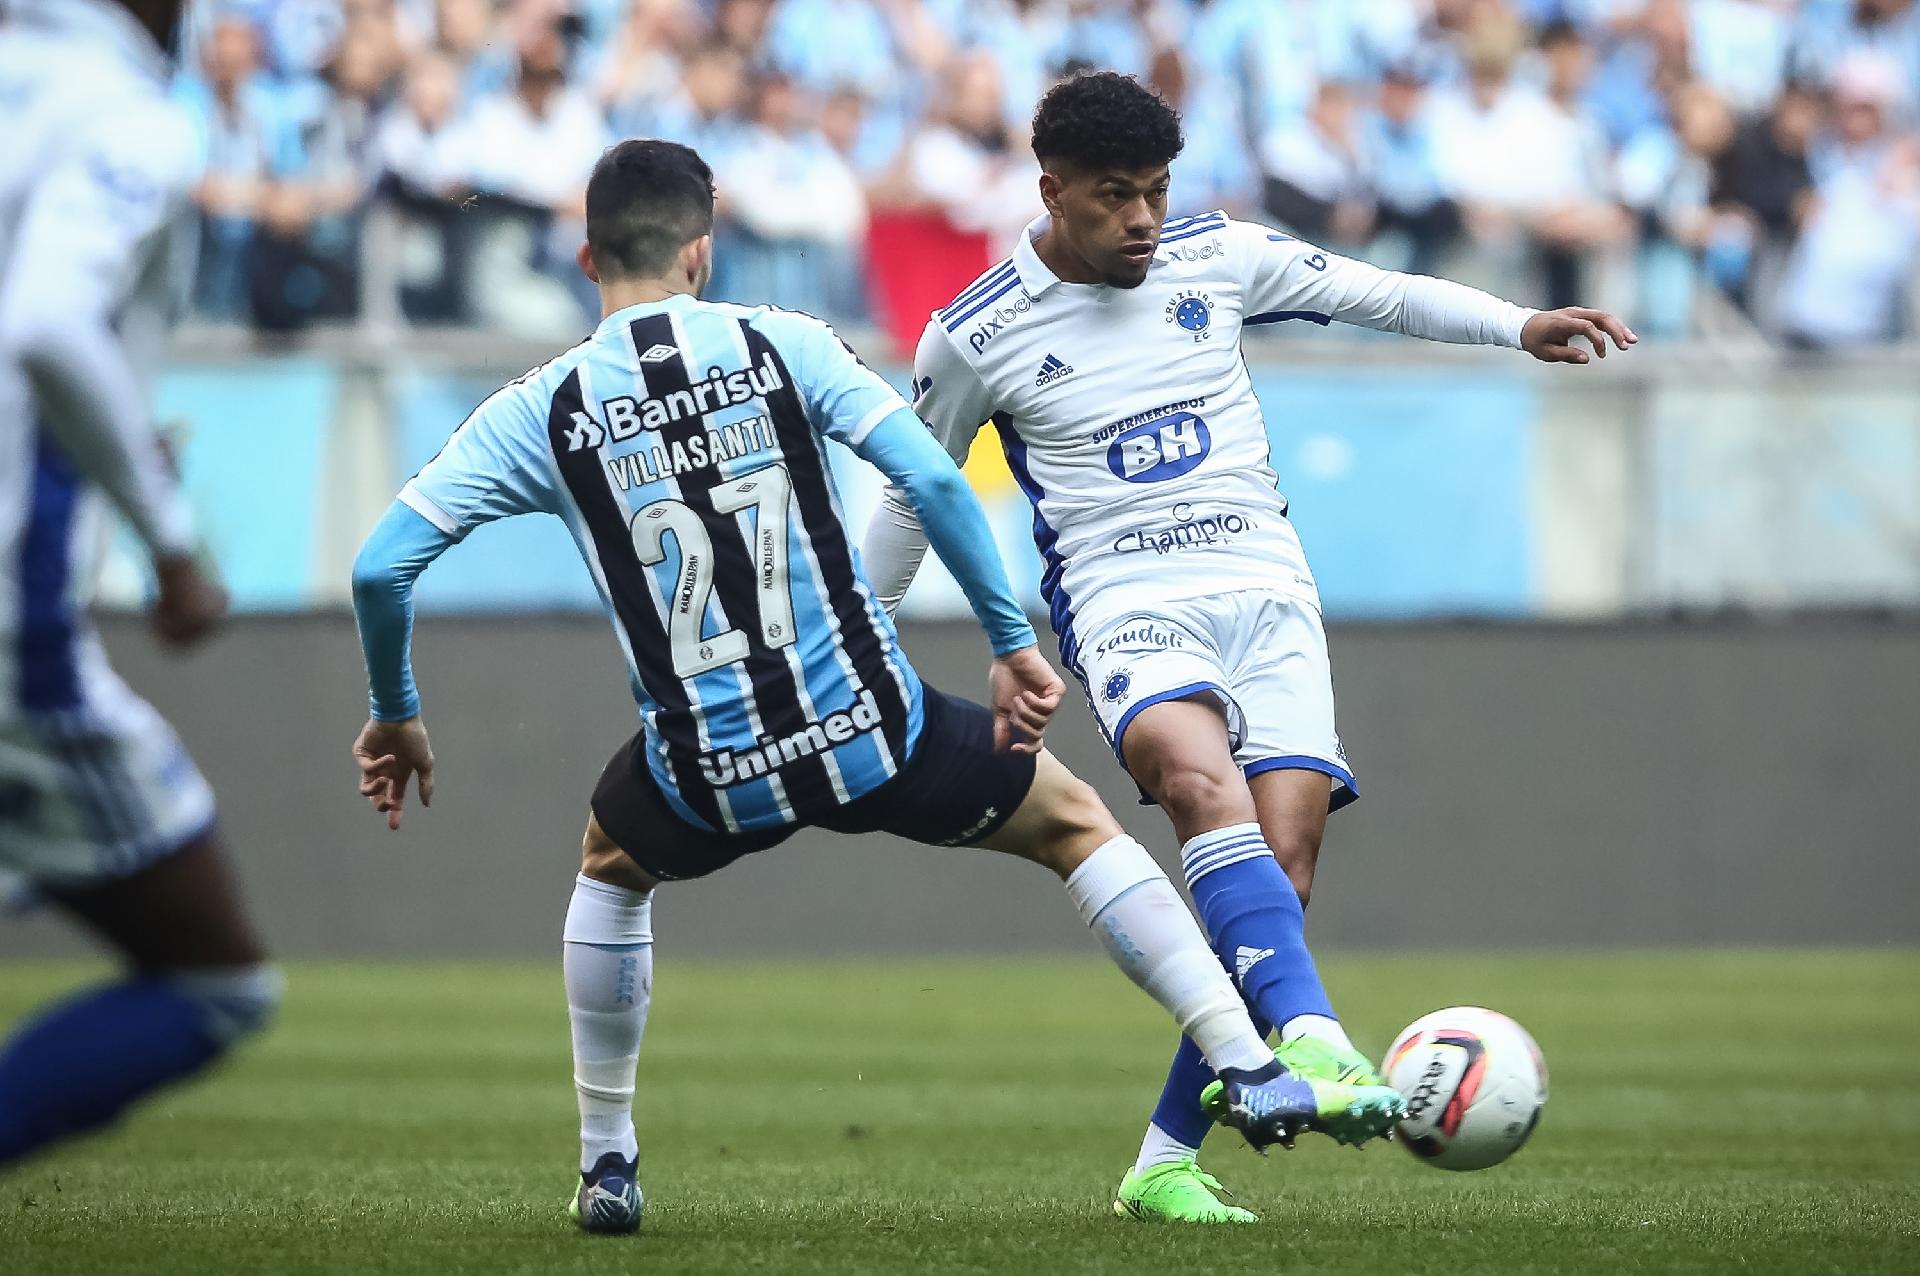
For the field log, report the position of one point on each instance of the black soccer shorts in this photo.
(954, 790)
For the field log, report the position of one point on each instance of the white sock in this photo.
(608, 959)
(1146, 928)
(1319, 1027)
(1161, 1148)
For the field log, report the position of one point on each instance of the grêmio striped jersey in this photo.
(683, 445)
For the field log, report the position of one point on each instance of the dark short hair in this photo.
(647, 199)
(1104, 121)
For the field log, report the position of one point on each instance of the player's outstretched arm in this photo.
(1287, 278)
(392, 750)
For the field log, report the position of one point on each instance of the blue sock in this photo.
(79, 1064)
(1179, 1113)
(1254, 918)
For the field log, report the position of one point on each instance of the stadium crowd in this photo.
(1750, 165)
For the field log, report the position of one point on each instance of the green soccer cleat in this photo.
(1351, 1106)
(1312, 1057)
(1176, 1192)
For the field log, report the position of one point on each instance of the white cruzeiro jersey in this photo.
(1128, 416)
(96, 169)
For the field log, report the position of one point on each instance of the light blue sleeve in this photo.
(497, 464)
(845, 399)
(956, 526)
(395, 553)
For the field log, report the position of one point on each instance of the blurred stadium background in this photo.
(1626, 654)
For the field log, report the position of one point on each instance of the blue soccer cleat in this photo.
(1276, 1105)
(609, 1200)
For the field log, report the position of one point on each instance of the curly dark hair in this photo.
(1105, 120)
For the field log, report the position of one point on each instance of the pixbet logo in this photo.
(1160, 450)
(995, 323)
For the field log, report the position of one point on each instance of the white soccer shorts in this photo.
(98, 791)
(1262, 654)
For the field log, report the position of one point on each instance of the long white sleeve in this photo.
(90, 229)
(1287, 278)
(950, 398)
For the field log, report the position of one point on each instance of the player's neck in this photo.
(1051, 247)
(617, 295)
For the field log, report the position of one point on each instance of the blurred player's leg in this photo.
(198, 983)
(608, 963)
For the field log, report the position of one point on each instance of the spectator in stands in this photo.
(248, 144)
(1527, 164)
(703, 109)
(744, 24)
(1740, 47)
(1764, 178)
(305, 265)
(530, 149)
(1666, 176)
(968, 162)
(1831, 32)
(1315, 169)
(797, 210)
(1410, 200)
(1851, 275)
(415, 146)
(641, 67)
(467, 33)
(1216, 170)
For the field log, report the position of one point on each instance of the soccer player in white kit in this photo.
(101, 811)
(1106, 354)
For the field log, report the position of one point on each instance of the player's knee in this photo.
(1298, 851)
(236, 1002)
(1077, 823)
(1198, 797)
(602, 860)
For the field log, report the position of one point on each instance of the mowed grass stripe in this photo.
(1711, 1112)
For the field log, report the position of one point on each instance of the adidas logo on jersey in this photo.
(1052, 370)
(1245, 959)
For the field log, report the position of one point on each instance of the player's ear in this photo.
(697, 260)
(584, 256)
(1050, 187)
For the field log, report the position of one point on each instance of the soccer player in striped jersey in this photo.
(101, 810)
(1106, 353)
(684, 444)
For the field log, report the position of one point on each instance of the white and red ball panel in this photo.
(1474, 1083)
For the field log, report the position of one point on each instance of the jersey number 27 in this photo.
(768, 492)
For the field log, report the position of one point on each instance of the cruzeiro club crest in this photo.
(1193, 311)
(1117, 686)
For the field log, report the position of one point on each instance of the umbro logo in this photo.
(1052, 370)
(658, 354)
(1245, 959)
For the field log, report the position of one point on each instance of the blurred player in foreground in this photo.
(101, 811)
(1106, 352)
(684, 445)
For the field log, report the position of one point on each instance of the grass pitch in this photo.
(1710, 1112)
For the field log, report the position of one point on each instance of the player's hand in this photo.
(1024, 691)
(389, 755)
(1549, 335)
(189, 604)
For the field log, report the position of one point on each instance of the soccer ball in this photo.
(1474, 1083)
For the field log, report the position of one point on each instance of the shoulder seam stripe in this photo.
(954, 323)
(980, 285)
(1192, 233)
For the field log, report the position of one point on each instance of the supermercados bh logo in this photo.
(1188, 529)
(995, 321)
(1192, 309)
(1160, 450)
